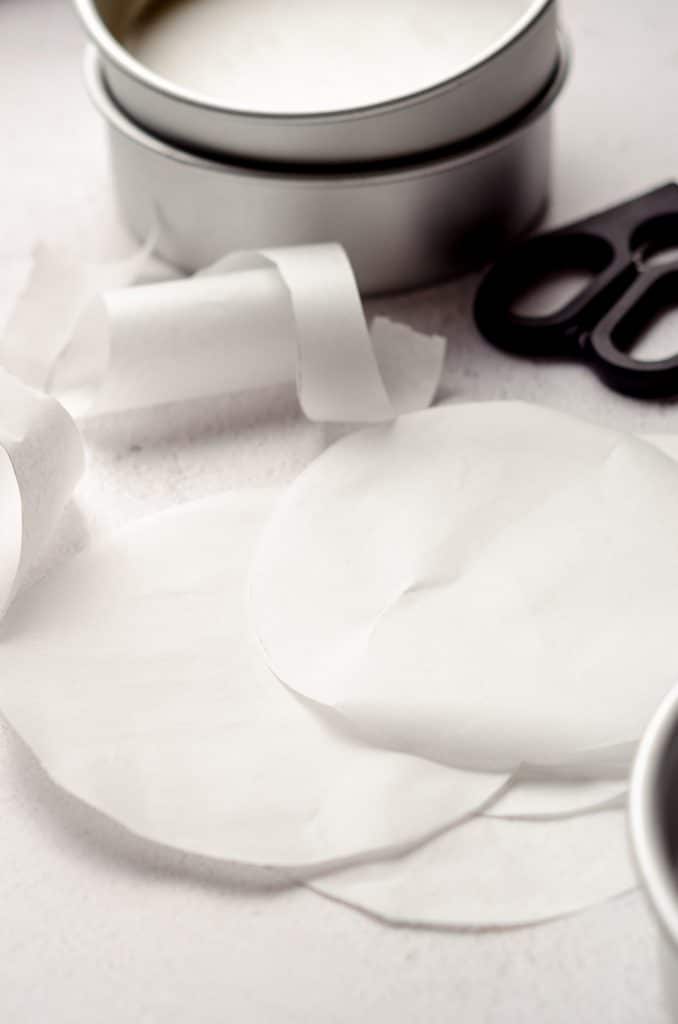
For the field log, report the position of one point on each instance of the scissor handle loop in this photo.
(526, 265)
(653, 292)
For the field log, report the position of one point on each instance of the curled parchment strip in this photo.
(495, 874)
(250, 321)
(41, 459)
(491, 586)
(131, 674)
(345, 373)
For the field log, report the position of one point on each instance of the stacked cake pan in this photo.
(239, 126)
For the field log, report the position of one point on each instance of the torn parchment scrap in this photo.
(495, 874)
(41, 459)
(488, 585)
(131, 674)
(58, 289)
(250, 321)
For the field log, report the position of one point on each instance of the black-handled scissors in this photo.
(630, 286)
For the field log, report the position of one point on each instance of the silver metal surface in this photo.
(653, 814)
(497, 84)
(412, 225)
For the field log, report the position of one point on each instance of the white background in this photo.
(97, 926)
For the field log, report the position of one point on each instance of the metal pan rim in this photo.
(128, 65)
(306, 176)
(647, 830)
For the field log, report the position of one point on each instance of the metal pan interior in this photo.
(337, 81)
(303, 57)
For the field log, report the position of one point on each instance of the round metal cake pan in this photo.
(653, 813)
(402, 226)
(502, 78)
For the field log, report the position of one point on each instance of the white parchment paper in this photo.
(41, 459)
(489, 586)
(59, 288)
(131, 674)
(250, 321)
(495, 874)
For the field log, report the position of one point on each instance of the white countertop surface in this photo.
(97, 926)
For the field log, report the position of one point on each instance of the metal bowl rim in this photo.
(114, 52)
